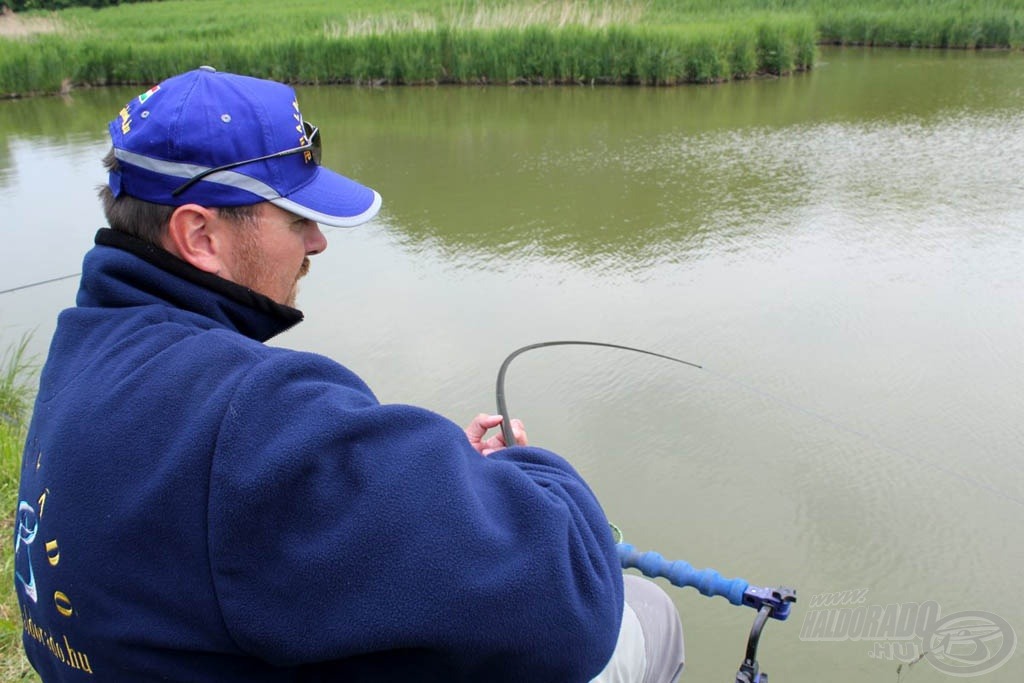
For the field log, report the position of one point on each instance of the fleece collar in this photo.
(123, 270)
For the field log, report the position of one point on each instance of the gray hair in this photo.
(149, 221)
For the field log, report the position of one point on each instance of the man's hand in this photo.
(482, 423)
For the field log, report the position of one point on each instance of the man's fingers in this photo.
(480, 425)
(519, 432)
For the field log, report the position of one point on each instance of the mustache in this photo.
(304, 268)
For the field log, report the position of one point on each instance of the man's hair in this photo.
(149, 221)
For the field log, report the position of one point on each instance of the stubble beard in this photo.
(303, 271)
(254, 268)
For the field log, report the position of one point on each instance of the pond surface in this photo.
(842, 251)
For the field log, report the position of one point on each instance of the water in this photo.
(841, 250)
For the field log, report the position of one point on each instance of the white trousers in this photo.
(650, 647)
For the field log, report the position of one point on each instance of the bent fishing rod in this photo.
(770, 602)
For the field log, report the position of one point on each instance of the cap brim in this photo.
(332, 199)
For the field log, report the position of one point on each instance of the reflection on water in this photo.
(841, 250)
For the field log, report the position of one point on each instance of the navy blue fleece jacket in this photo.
(198, 506)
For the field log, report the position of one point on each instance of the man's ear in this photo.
(195, 234)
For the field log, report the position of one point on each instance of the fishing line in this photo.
(41, 282)
(506, 426)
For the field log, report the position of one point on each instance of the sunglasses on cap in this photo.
(312, 146)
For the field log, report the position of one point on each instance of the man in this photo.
(198, 506)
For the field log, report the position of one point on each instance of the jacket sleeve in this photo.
(340, 527)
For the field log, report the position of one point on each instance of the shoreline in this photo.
(67, 87)
(563, 43)
(619, 55)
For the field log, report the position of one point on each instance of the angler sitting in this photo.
(199, 506)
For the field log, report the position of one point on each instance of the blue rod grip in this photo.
(682, 574)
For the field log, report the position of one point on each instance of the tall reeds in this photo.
(535, 54)
(569, 42)
(972, 27)
(652, 42)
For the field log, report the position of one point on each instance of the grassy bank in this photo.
(652, 42)
(350, 41)
(16, 388)
(895, 23)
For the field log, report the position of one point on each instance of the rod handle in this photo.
(682, 574)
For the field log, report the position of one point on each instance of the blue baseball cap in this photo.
(219, 139)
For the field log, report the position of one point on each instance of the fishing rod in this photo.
(770, 602)
(37, 284)
(506, 426)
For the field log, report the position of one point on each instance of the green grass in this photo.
(351, 41)
(903, 23)
(652, 42)
(16, 388)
